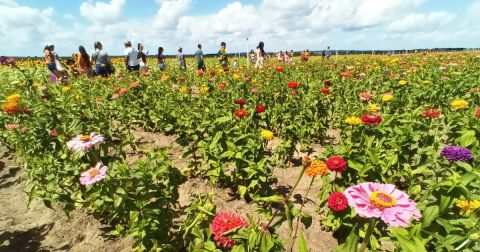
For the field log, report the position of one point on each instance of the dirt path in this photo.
(38, 228)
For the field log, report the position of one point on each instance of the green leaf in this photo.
(238, 248)
(266, 242)
(306, 219)
(429, 214)
(351, 244)
(271, 199)
(117, 200)
(302, 244)
(242, 190)
(467, 139)
(465, 166)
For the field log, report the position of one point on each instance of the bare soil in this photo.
(34, 227)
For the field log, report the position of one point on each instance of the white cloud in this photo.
(102, 13)
(170, 12)
(24, 28)
(421, 22)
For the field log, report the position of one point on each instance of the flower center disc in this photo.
(85, 138)
(382, 200)
(93, 172)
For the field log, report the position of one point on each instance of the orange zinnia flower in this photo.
(10, 108)
(316, 168)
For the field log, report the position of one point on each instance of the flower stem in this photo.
(300, 213)
(369, 232)
(289, 194)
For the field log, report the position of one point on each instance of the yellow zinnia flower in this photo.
(353, 120)
(236, 76)
(372, 108)
(387, 98)
(183, 90)
(204, 90)
(426, 82)
(402, 82)
(14, 98)
(458, 104)
(66, 89)
(266, 134)
(467, 207)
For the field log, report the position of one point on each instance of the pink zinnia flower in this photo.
(94, 174)
(12, 126)
(224, 222)
(84, 142)
(373, 200)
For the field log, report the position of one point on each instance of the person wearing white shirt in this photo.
(260, 53)
(131, 57)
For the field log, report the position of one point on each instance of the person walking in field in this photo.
(260, 53)
(181, 60)
(222, 56)
(142, 57)
(83, 63)
(50, 61)
(131, 57)
(199, 58)
(103, 63)
(161, 59)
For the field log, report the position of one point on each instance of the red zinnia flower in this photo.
(53, 133)
(122, 91)
(224, 222)
(336, 164)
(200, 73)
(371, 119)
(337, 202)
(241, 113)
(248, 79)
(325, 91)
(279, 69)
(292, 84)
(431, 113)
(221, 85)
(240, 101)
(478, 112)
(254, 90)
(260, 108)
(212, 73)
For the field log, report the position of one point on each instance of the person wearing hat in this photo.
(131, 57)
(181, 59)
(50, 57)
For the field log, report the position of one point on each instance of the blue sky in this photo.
(282, 24)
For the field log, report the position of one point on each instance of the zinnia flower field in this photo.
(401, 173)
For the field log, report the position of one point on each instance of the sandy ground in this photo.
(38, 228)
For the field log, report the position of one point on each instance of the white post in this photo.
(336, 55)
(248, 60)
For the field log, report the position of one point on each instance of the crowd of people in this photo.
(99, 62)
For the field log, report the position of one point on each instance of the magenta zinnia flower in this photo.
(84, 142)
(94, 174)
(224, 222)
(384, 201)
